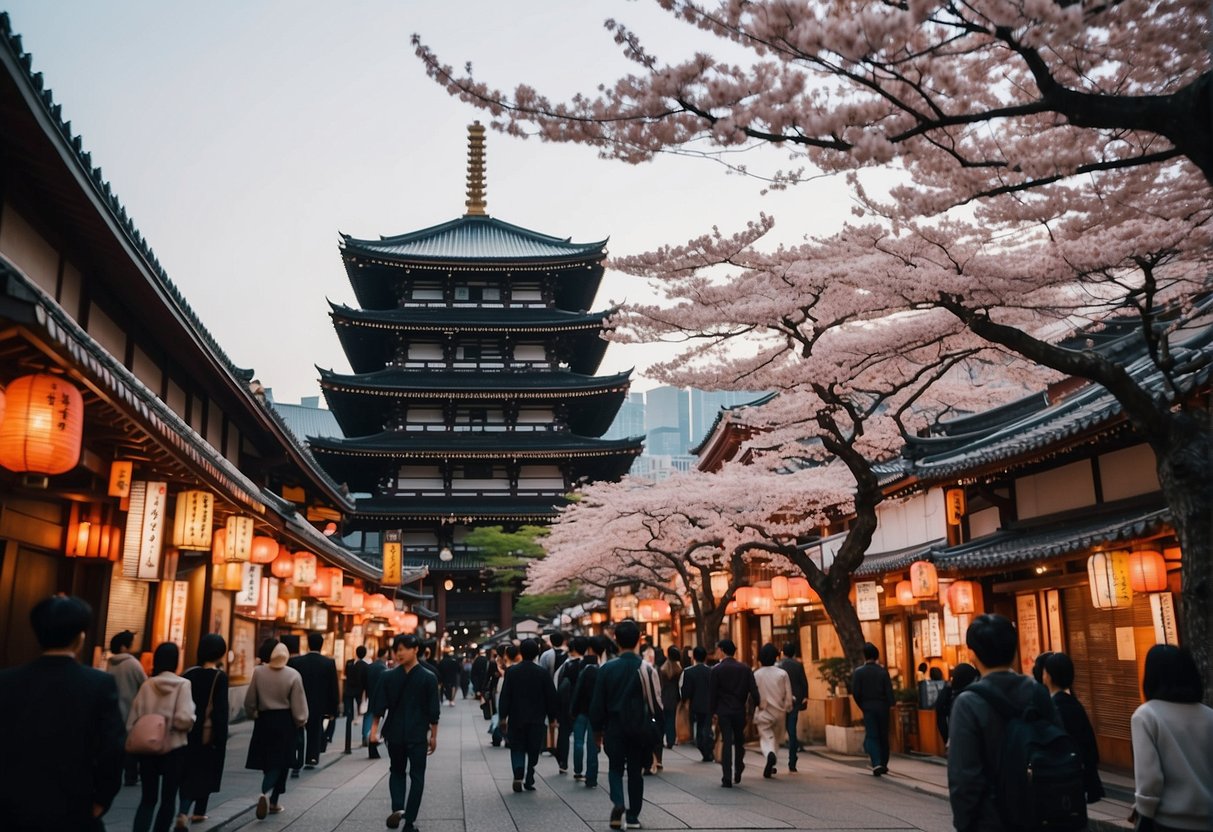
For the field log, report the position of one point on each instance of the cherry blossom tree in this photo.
(1053, 163)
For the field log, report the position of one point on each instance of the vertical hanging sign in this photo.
(392, 553)
(250, 585)
(120, 478)
(305, 569)
(1162, 609)
(867, 601)
(192, 524)
(934, 645)
(144, 538)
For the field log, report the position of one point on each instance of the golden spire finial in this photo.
(476, 202)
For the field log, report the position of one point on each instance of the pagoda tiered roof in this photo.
(386, 512)
(362, 402)
(482, 239)
(368, 336)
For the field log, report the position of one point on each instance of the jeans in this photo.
(526, 744)
(704, 739)
(732, 731)
(273, 783)
(408, 762)
(876, 735)
(584, 745)
(793, 741)
(161, 775)
(621, 756)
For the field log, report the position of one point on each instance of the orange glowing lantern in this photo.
(238, 542)
(731, 608)
(779, 588)
(43, 425)
(193, 520)
(90, 535)
(228, 576)
(905, 593)
(409, 621)
(924, 581)
(219, 546)
(320, 587)
(284, 564)
(263, 550)
(962, 597)
(799, 592)
(762, 601)
(1147, 572)
(743, 597)
(1108, 573)
(653, 609)
(281, 608)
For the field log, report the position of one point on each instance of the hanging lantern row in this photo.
(41, 425)
(653, 609)
(91, 535)
(1108, 573)
(1147, 572)
(962, 597)
(924, 580)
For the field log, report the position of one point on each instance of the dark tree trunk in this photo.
(1185, 470)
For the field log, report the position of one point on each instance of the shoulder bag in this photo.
(208, 730)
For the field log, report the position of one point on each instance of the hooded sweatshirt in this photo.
(129, 676)
(171, 696)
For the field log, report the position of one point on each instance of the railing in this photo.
(467, 365)
(548, 492)
(433, 427)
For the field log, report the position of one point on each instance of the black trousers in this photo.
(632, 759)
(161, 774)
(704, 739)
(408, 760)
(526, 744)
(732, 733)
(315, 738)
(564, 733)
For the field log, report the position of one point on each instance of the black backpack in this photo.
(1039, 783)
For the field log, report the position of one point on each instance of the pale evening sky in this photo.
(243, 136)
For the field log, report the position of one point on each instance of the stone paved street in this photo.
(468, 789)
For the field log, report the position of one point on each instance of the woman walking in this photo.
(1172, 734)
(963, 675)
(1059, 678)
(204, 756)
(276, 703)
(167, 695)
(670, 672)
(648, 657)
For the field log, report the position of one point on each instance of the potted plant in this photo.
(836, 673)
(904, 719)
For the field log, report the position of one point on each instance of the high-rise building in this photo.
(629, 421)
(667, 421)
(706, 405)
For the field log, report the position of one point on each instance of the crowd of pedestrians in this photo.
(1021, 751)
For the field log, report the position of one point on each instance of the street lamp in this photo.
(445, 554)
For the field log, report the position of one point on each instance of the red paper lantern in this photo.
(743, 597)
(779, 588)
(799, 592)
(409, 621)
(1147, 572)
(962, 597)
(905, 593)
(653, 609)
(284, 564)
(43, 425)
(731, 608)
(264, 550)
(924, 581)
(219, 546)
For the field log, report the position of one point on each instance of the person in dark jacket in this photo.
(975, 730)
(528, 701)
(353, 692)
(618, 703)
(584, 747)
(565, 680)
(207, 749)
(800, 699)
(873, 691)
(81, 742)
(480, 674)
(374, 673)
(448, 675)
(730, 685)
(693, 688)
(319, 674)
(1059, 678)
(963, 675)
(670, 672)
(409, 696)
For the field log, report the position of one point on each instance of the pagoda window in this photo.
(477, 293)
(479, 419)
(541, 479)
(424, 542)
(535, 418)
(480, 477)
(419, 479)
(526, 294)
(425, 419)
(530, 354)
(427, 291)
(480, 354)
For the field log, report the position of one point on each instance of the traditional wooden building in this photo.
(473, 399)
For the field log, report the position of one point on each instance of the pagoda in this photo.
(473, 398)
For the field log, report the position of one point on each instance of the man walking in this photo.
(693, 688)
(551, 660)
(129, 677)
(480, 673)
(730, 685)
(528, 698)
(584, 746)
(355, 689)
(800, 698)
(319, 674)
(374, 675)
(448, 674)
(409, 695)
(62, 733)
(565, 679)
(617, 714)
(873, 692)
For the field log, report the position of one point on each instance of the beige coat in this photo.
(171, 696)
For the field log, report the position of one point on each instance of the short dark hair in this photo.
(1038, 668)
(557, 638)
(166, 658)
(627, 633)
(935, 674)
(599, 644)
(529, 649)
(993, 639)
(315, 641)
(122, 641)
(211, 648)
(1060, 668)
(291, 641)
(963, 675)
(360, 651)
(383, 651)
(579, 644)
(767, 654)
(1171, 675)
(672, 653)
(700, 654)
(870, 652)
(266, 648)
(407, 640)
(512, 652)
(59, 619)
(726, 646)
(789, 650)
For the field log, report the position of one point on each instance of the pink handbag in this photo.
(149, 735)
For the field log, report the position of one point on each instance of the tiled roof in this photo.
(307, 421)
(497, 384)
(880, 563)
(442, 508)
(478, 319)
(474, 238)
(454, 445)
(1063, 536)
